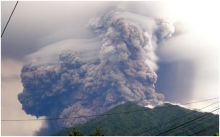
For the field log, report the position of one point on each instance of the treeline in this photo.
(77, 132)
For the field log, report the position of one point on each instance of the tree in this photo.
(98, 132)
(74, 132)
(216, 134)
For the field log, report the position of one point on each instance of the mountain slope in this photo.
(154, 121)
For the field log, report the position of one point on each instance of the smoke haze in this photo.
(79, 82)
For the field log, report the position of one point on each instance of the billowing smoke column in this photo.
(123, 71)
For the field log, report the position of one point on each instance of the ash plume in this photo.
(122, 70)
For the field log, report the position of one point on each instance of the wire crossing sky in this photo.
(9, 19)
(177, 118)
(202, 130)
(126, 112)
(185, 123)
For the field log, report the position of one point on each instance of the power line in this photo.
(199, 101)
(126, 112)
(9, 19)
(184, 124)
(202, 130)
(179, 117)
(197, 127)
(61, 118)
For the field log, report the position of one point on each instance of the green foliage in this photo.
(157, 120)
(216, 134)
(74, 132)
(97, 132)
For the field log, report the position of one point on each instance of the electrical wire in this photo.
(185, 123)
(9, 19)
(202, 130)
(62, 118)
(177, 118)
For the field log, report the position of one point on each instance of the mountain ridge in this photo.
(149, 121)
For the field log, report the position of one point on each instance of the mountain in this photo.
(138, 120)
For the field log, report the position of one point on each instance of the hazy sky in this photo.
(188, 63)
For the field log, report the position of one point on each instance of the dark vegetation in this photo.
(148, 122)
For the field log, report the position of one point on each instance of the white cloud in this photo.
(10, 107)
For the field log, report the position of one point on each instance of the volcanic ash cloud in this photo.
(122, 69)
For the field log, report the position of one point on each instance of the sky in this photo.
(187, 66)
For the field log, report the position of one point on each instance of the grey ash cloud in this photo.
(87, 82)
